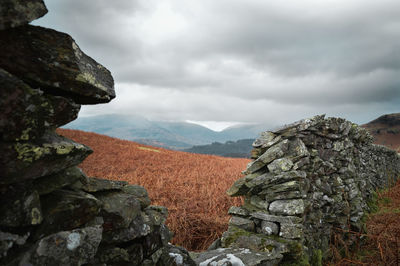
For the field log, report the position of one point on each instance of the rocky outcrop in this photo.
(51, 213)
(306, 179)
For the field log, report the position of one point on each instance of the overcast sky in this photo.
(240, 61)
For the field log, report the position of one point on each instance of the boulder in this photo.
(52, 61)
(14, 13)
(26, 113)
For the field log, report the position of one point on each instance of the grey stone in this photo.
(14, 13)
(74, 247)
(234, 210)
(280, 165)
(8, 240)
(174, 255)
(291, 231)
(65, 210)
(47, 184)
(242, 223)
(287, 207)
(278, 219)
(269, 228)
(274, 152)
(52, 61)
(137, 228)
(118, 209)
(259, 203)
(139, 192)
(238, 257)
(94, 184)
(266, 140)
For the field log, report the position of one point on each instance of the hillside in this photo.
(386, 130)
(170, 135)
(240, 148)
(191, 186)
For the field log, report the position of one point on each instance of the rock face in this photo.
(306, 179)
(51, 213)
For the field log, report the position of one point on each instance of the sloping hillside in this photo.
(386, 130)
(191, 186)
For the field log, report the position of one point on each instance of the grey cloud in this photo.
(234, 60)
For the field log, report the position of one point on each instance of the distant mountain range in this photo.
(170, 135)
(239, 149)
(232, 142)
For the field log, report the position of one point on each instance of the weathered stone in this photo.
(269, 228)
(52, 61)
(239, 238)
(266, 140)
(113, 256)
(118, 209)
(156, 215)
(14, 13)
(8, 240)
(275, 152)
(280, 165)
(174, 255)
(94, 184)
(300, 125)
(278, 219)
(237, 257)
(287, 207)
(238, 188)
(297, 150)
(20, 206)
(65, 210)
(242, 223)
(25, 113)
(45, 156)
(234, 210)
(47, 184)
(291, 231)
(139, 192)
(74, 247)
(259, 203)
(137, 228)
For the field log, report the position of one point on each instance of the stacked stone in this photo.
(306, 179)
(50, 212)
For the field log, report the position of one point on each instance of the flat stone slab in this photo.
(29, 160)
(52, 61)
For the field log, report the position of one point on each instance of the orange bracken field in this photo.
(192, 187)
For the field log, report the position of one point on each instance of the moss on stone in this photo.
(316, 259)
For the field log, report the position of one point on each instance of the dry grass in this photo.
(191, 186)
(382, 244)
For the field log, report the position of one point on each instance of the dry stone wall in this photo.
(306, 179)
(51, 213)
